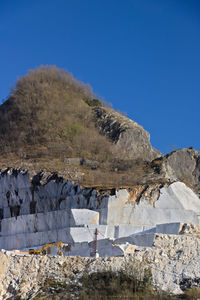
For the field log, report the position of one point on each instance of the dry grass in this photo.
(103, 177)
(192, 293)
(49, 117)
(50, 110)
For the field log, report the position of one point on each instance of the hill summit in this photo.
(50, 118)
(50, 110)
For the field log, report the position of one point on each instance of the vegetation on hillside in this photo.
(49, 117)
(109, 284)
(51, 111)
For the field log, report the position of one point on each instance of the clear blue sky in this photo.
(143, 56)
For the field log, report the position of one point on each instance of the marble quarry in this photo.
(37, 211)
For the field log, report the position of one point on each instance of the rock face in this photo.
(185, 164)
(129, 137)
(42, 210)
(180, 165)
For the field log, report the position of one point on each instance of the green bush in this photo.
(92, 102)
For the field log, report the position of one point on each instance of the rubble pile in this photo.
(174, 262)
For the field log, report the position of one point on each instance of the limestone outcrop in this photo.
(129, 137)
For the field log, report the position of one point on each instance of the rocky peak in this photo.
(129, 137)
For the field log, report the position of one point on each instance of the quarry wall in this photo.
(38, 211)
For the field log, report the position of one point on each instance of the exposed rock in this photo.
(49, 208)
(189, 229)
(174, 262)
(185, 164)
(129, 137)
(180, 165)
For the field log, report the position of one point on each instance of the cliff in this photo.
(43, 209)
(130, 138)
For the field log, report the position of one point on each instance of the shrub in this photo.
(92, 102)
(124, 284)
(192, 293)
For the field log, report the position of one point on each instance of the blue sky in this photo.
(143, 56)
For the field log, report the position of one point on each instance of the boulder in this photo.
(184, 165)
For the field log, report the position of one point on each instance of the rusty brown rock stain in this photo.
(134, 194)
(142, 192)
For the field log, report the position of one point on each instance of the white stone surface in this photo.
(128, 230)
(143, 239)
(179, 196)
(37, 239)
(81, 217)
(36, 222)
(177, 203)
(61, 210)
(48, 221)
(168, 228)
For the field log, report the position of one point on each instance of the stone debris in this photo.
(173, 260)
